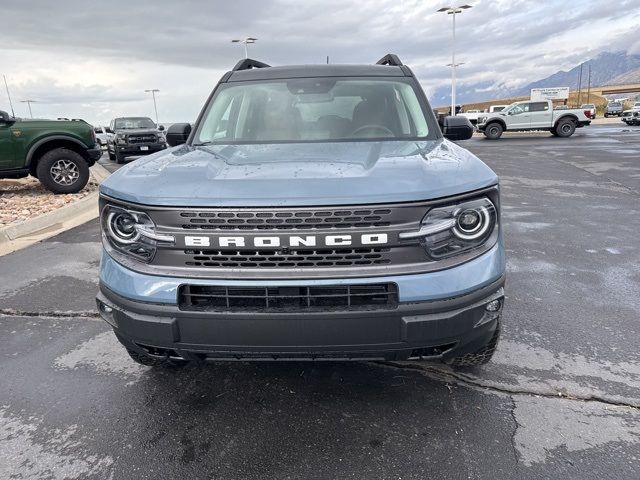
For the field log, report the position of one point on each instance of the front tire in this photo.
(565, 127)
(493, 131)
(119, 158)
(481, 356)
(63, 171)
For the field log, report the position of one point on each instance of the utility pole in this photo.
(13, 114)
(453, 11)
(153, 94)
(29, 102)
(580, 87)
(589, 86)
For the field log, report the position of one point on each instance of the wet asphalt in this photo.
(561, 398)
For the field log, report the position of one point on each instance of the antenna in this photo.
(13, 114)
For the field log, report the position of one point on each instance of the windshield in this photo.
(615, 104)
(134, 123)
(313, 110)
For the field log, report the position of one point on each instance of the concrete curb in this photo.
(23, 234)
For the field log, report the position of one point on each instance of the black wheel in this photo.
(493, 131)
(565, 127)
(479, 357)
(63, 171)
(149, 361)
(111, 155)
(554, 132)
(119, 157)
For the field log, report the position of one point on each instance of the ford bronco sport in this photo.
(313, 212)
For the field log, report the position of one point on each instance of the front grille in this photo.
(295, 259)
(147, 138)
(287, 220)
(379, 296)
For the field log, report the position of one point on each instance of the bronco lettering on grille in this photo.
(284, 241)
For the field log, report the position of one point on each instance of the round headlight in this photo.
(472, 223)
(122, 227)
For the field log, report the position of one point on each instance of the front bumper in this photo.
(95, 153)
(438, 329)
(140, 149)
(440, 315)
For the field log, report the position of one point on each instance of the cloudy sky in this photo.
(94, 60)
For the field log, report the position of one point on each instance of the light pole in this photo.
(246, 41)
(153, 94)
(13, 114)
(453, 11)
(29, 102)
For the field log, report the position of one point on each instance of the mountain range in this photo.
(608, 68)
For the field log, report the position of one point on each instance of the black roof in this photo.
(321, 70)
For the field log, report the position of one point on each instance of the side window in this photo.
(539, 106)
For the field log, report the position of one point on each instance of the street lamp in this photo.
(153, 93)
(452, 11)
(246, 41)
(29, 102)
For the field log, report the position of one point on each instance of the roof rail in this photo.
(390, 59)
(248, 64)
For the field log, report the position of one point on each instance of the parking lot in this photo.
(560, 399)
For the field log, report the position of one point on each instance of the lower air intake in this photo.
(378, 296)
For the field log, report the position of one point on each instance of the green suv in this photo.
(57, 152)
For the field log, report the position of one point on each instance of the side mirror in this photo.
(457, 128)
(178, 133)
(5, 118)
(161, 128)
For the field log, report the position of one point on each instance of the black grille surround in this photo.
(378, 296)
(252, 262)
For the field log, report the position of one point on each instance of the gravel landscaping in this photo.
(26, 198)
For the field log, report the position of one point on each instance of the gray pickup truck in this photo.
(312, 212)
(539, 115)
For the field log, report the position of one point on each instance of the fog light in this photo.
(106, 308)
(493, 306)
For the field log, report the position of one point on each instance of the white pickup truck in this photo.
(523, 116)
(472, 115)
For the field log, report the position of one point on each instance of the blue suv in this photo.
(311, 212)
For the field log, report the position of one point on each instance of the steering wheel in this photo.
(372, 127)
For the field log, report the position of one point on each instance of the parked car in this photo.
(300, 220)
(523, 116)
(613, 109)
(56, 152)
(102, 135)
(631, 117)
(496, 108)
(591, 108)
(636, 106)
(134, 136)
(472, 115)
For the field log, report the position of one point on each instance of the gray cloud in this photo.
(173, 42)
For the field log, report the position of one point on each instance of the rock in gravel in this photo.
(26, 198)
